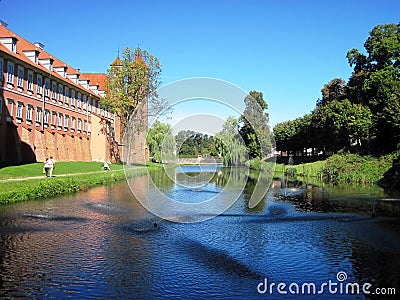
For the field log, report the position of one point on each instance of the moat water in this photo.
(103, 244)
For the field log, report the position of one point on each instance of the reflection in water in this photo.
(104, 244)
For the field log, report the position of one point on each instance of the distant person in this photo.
(106, 166)
(51, 164)
(46, 167)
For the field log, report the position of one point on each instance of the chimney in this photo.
(4, 24)
(39, 45)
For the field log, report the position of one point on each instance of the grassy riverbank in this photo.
(341, 168)
(20, 183)
(36, 169)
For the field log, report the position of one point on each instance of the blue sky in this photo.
(286, 49)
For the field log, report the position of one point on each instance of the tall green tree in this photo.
(161, 142)
(230, 145)
(334, 90)
(342, 125)
(375, 82)
(131, 81)
(255, 130)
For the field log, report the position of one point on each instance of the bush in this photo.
(349, 167)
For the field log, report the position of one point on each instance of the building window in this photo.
(79, 100)
(29, 112)
(20, 107)
(46, 116)
(20, 80)
(72, 123)
(10, 73)
(84, 102)
(54, 91)
(66, 95)
(88, 104)
(47, 87)
(38, 117)
(60, 93)
(79, 124)
(72, 97)
(39, 85)
(53, 118)
(30, 81)
(10, 103)
(1, 69)
(98, 107)
(66, 119)
(89, 128)
(60, 119)
(14, 45)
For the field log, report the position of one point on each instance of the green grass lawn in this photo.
(36, 169)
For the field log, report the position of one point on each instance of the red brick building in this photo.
(48, 108)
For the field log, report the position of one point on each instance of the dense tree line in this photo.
(240, 139)
(190, 143)
(361, 115)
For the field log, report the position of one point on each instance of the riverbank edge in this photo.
(343, 168)
(49, 187)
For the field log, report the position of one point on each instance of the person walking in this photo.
(46, 168)
(51, 165)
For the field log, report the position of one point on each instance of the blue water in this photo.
(104, 244)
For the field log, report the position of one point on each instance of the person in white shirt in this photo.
(105, 166)
(50, 165)
(46, 168)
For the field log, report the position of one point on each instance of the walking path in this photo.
(60, 175)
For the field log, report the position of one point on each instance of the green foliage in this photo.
(341, 124)
(192, 144)
(290, 172)
(50, 187)
(350, 167)
(255, 130)
(294, 135)
(131, 81)
(363, 115)
(375, 83)
(161, 142)
(35, 169)
(230, 145)
(334, 90)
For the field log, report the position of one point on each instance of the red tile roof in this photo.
(116, 62)
(95, 78)
(139, 60)
(23, 44)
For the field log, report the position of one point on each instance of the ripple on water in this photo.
(52, 217)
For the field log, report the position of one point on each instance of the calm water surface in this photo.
(103, 243)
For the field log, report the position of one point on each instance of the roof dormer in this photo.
(33, 55)
(10, 43)
(94, 88)
(84, 83)
(74, 77)
(47, 63)
(61, 70)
